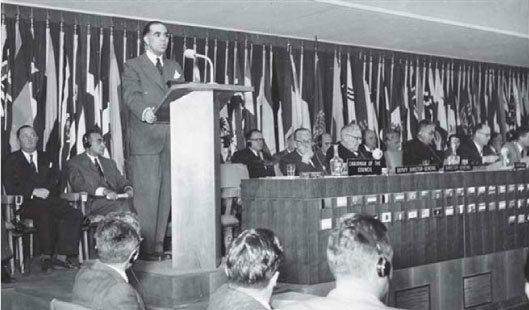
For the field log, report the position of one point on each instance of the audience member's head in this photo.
(303, 140)
(93, 143)
(253, 260)
(359, 252)
(351, 137)
(496, 141)
(324, 142)
(27, 138)
(155, 37)
(426, 132)
(522, 136)
(392, 139)
(127, 217)
(481, 134)
(117, 241)
(370, 139)
(254, 140)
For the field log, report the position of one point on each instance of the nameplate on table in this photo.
(520, 165)
(364, 166)
(451, 168)
(416, 169)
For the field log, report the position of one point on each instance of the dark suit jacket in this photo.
(256, 166)
(98, 286)
(84, 177)
(345, 154)
(21, 179)
(469, 151)
(228, 298)
(295, 158)
(144, 87)
(414, 152)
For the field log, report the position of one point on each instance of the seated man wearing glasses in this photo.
(259, 162)
(474, 150)
(349, 147)
(425, 149)
(303, 157)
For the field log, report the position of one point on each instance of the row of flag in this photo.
(64, 79)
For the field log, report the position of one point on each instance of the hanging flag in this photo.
(22, 108)
(51, 90)
(249, 118)
(439, 99)
(278, 93)
(358, 88)
(516, 99)
(304, 106)
(337, 100)
(116, 133)
(76, 76)
(382, 106)
(318, 123)
(398, 95)
(295, 97)
(104, 66)
(372, 122)
(412, 111)
(351, 104)
(93, 104)
(265, 102)
(6, 88)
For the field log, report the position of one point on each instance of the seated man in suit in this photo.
(259, 163)
(108, 190)
(359, 256)
(303, 157)
(420, 151)
(369, 143)
(252, 265)
(516, 151)
(30, 173)
(473, 151)
(349, 147)
(323, 143)
(103, 283)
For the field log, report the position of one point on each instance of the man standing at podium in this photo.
(144, 86)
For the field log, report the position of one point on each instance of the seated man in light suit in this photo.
(252, 267)
(516, 151)
(90, 172)
(103, 283)
(359, 256)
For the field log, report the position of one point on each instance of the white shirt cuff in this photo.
(144, 112)
(99, 191)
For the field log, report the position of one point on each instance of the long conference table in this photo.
(460, 238)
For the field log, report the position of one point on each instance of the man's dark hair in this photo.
(115, 240)
(250, 132)
(253, 258)
(521, 131)
(147, 27)
(423, 124)
(22, 127)
(300, 129)
(478, 127)
(388, 133)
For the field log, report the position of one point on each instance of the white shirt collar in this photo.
(153, 57)
(255, 152)
(356, 294)
(520, 148)
(92, 158)
(479, 147)
(121, 272)
(34, 153)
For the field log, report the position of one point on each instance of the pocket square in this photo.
(176, 75)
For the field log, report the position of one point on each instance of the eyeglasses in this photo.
(257, 139)
(484, 134)
(357, 138)
(304, 141)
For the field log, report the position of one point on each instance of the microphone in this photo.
(192, 54)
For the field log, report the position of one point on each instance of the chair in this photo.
(56, 304)
(230, 191)
(78, 201)
(16, 230)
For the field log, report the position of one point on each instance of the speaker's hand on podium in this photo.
(149, 115)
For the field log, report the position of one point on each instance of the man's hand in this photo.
(41, 193)
(130, 193)
(438, 140)
(306, 159)
(490, 159)
(150, 117)
(110, 195)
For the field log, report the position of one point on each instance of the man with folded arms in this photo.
(31, 174)
(108, 190)
(252, 267)
(359, 256)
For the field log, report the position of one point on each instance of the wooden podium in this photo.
(192, 109)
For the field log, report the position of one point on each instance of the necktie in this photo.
(32, 163)
(96, 162)
(159, 66)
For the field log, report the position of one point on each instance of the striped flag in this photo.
(114, 85)
(351, 109)
(51, 90)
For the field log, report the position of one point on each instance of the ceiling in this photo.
(495, 31)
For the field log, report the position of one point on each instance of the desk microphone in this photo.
(192, 54)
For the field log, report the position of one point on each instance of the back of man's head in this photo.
(116, 240)
(253, 258)
(359, 249)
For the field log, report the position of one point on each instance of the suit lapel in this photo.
(150, 69)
